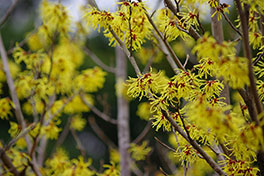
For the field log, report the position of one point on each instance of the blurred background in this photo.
(25, 18)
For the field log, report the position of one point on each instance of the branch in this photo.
(97, 112)
(231, 24)
(122, 44)
(78, 142)
(8, 163)
(100, 133)
(20, 135)
(123, 130)
(63, 135)
(98, 61)
(143, 133)
(8, 12)
(10, 82)
(247, 51)
(192, 31)
(165, 145)
(165, 42)
(195, 145)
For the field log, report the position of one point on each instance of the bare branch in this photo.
(98, 61)
(20, 135)
(8, 163)
(100, 133)
(231, 24)
(97, 112)
(78, 142)
(165, 145)
(8, 12)
(192, 31)
(10, 82)
(195, 145)
(247, 50)
(143, 133)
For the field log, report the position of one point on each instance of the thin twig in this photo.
(63, 135)
(164, 41)
(165, 145)
(195, 145)
(247, 51)
(231, 24)
(122, 45)
(97, 112)
(178, 144)
(258, 58)
(143, 133)
(98, 61)
(100, 133)
(186, 60)
(78, 142)
(8, 162)
(8, 12)
(10, 82)
(163, 172)
(20, 135)
(192, 32)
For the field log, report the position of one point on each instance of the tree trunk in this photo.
(122, 114)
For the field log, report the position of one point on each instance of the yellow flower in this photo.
(255, 39)
(139, 152)
(111, 170)
(144, 111)
(159, 120)
(91, 79)
(114, 155)
(5, 108)
(78, 123)
(149, 83)
(77, 106)
(14, 69)
(55, 17)
(51, 131)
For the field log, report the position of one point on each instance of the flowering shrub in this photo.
(208, 132)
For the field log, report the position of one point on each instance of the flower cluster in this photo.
(129, 23)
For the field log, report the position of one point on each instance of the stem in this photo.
(8, 163)
(122, 115)
(192, 31)
(100, 133)
(98, 61)
(8, 13)
(247, 50)
(97, 112)
(195, 145)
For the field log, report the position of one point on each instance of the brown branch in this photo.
(98, 112)
(231, 24)
(195, 145)
(98, 61)
(8, 162)
(8, 12)
(123, 130)
(145, 131)
(100, 133)
(192, 32)
(258, 58)
(78, 142)
(10, 82)
(165, 145)
(20, 135)
(164, 41)
(63, 135)
(247, 50)
(163, 172)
